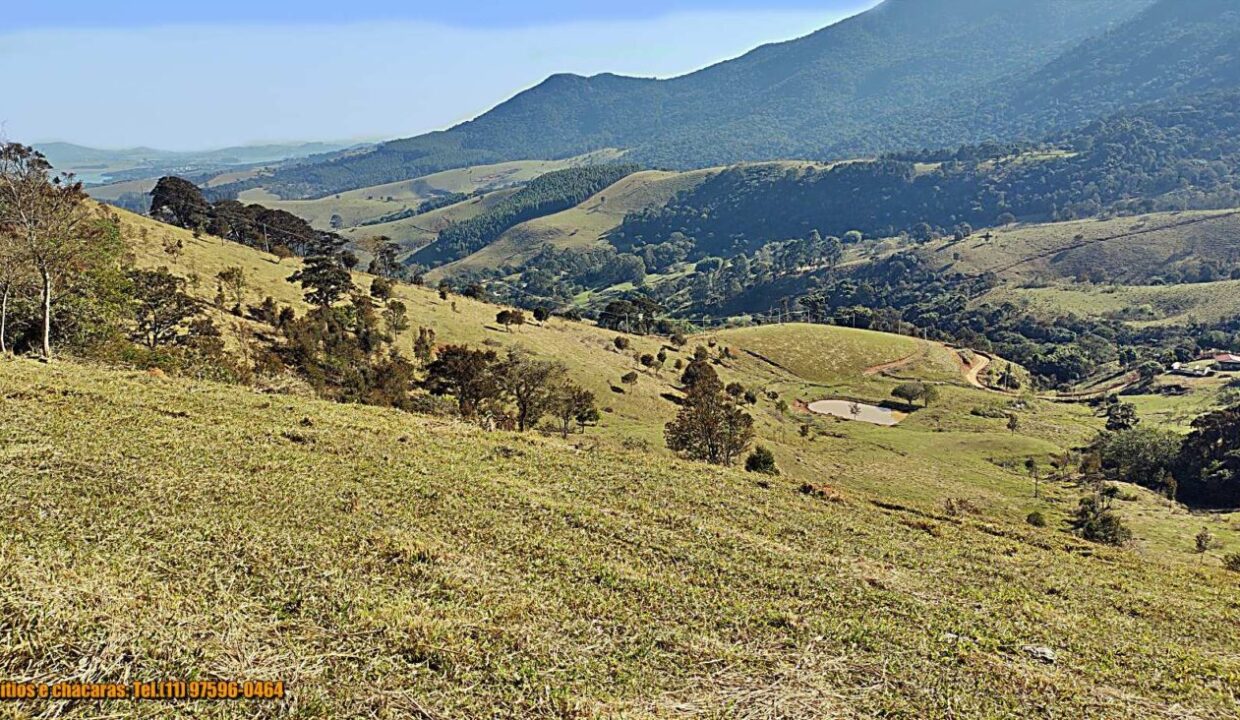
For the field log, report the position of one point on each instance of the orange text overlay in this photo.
(154, 690)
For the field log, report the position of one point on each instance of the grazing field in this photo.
(1138, 305)
(585, 225)
(370, 203)
(388, 565)
(1127, 250)
(959, 447)
(809, 353)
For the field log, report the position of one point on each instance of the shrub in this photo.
(1232, 562)
(761, 460)
(1036, 519)
(381, 288)
(1095, 521)
(621, 342)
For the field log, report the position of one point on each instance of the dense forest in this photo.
(1174, 155)
(546, 194)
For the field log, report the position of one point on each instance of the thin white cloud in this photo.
(187, 87)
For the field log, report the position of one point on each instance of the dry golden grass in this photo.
(391, 566)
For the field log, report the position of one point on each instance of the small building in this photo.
(1227, 362)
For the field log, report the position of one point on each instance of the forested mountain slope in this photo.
(863, 85)
(1176, 47)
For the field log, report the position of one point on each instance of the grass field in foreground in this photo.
(388, 565)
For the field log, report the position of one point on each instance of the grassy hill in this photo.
(393, 564)
(370, 203)
(1126, 250)
(959, 452)
(382, 563)
(582, 226)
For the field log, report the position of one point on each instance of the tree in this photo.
(910, 393)
(384, 253)
(541, 314)
(233, 280)
(161, 306)
(51, 225)
(1031, 466)
(1121, 416)
(1205, 542)
(1208, 466)
(1013, 422)
(1143, 455)
(698, 371)
(468, 375)
(833, 251)
(179, 202)
(424, 345)
(381, 288)
(761, 460)
(531, 383)
(571, 405)
(709, 425)
(324, 281)
(508, 318)
(395, 318)
(14, 274)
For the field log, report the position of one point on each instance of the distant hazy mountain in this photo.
(95, 165)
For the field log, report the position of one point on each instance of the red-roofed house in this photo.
(1227, 362)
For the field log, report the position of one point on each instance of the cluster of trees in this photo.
(1201, 469)
(546, 194)
(66, 281)
(515, 391)
(180, 202)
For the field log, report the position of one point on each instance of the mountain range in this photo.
(907, 74)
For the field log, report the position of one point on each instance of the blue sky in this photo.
(194, 75)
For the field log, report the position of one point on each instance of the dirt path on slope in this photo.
(974, 372)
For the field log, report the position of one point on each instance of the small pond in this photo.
(865, 413)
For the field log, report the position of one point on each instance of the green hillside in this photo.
(358, 206)
(585, 225)
(1173, 48)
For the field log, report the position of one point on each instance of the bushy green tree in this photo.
(709, 425)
